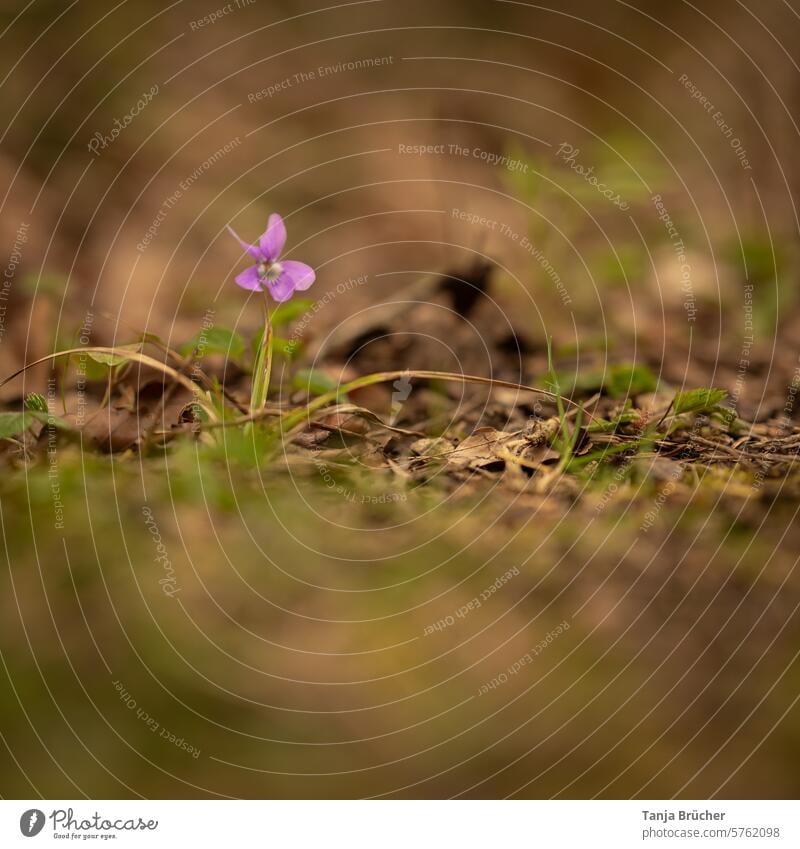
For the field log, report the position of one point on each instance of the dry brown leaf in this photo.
(481, 450)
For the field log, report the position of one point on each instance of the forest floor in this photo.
(530, 580)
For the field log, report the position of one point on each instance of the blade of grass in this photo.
(262, 369)
(144, 359)
(292, 419)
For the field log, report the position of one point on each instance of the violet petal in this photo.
(301, 275)
(253, 250)
(249, 279)
(282, 289)
(274, 238)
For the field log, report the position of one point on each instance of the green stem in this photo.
(296, 417)
(262, 368)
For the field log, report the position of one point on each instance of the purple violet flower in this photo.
(281, 278)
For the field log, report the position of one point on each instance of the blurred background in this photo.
(135, 134)
(623, 177)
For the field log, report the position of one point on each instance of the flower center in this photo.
(270, 271)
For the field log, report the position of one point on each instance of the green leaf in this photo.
(255, 344)
(12, 424)
(35, 401)
(215, 340)
(197, 412)
(291, 310)
(286, 347)
(112, 360)
(611, 425)
(313, 381)
(90, 370)
(262, 372)
(629, 379)
(48, 283)
(603, 453)
(51, 421)
(618, 381)
(698, 401)
(280, 345)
